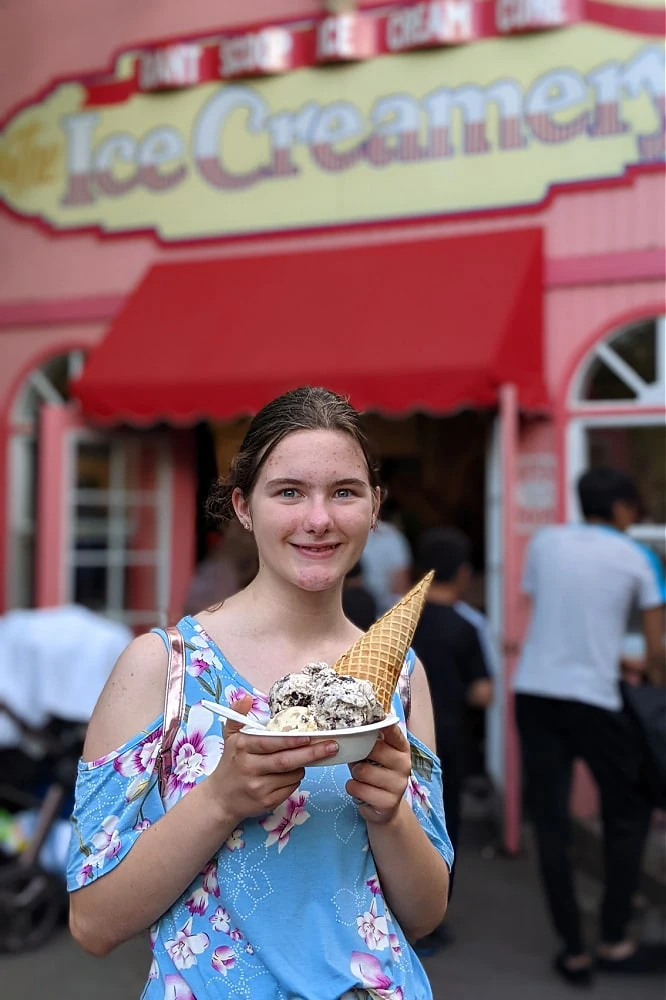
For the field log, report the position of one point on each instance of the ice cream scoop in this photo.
(295, 719)
(291, 691)
(345, 702)
(331, 701)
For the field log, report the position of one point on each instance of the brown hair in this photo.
(304, 409)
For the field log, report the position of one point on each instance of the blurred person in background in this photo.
(458, 673)
(358, 603)
(228, 568)
(387, 560)
(582, 580)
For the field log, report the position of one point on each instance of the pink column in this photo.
(183, 521)
(53, 475)
(511, 618)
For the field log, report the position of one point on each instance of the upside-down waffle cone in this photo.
(378, 656)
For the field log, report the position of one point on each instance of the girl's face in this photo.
(311, 508)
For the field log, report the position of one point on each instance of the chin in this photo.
(315, 581)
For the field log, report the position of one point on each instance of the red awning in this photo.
(425, 324)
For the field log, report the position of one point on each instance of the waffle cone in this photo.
(379, 655)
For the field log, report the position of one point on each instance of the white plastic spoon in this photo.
(229, 713)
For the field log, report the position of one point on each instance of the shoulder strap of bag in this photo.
(173, 705)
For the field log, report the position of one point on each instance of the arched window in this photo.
(46, 384)
(628, 367)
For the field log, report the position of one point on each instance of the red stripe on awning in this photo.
(429, 324)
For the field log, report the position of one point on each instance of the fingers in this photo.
(394, 736)
(370, 775)
(391, 757)
(379, 800)
(274, 744)
(286, 754)
(243, 705)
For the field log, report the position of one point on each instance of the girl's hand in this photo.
(256, 773)
(379, 789)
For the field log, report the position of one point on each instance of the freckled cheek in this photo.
(275, 525)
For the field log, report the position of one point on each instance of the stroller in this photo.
(33, 900)
(54, 663)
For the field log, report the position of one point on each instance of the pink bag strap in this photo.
(173, 705)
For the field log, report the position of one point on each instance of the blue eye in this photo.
(289, 493)
(344, 493)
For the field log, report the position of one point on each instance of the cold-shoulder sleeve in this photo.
(425, 792)
(117, 798)
(426, 797)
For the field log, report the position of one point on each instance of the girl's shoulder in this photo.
(132, 698)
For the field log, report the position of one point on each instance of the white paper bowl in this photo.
(354, 744)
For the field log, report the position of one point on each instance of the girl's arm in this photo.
(413, 875)
(253, 776)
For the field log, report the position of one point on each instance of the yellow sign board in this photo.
(492, 125)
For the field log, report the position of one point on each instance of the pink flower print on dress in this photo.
(221, 921)
(373, 928)
(176, 988)
(209, 879)
(282, 820)
(85, 874)
(235, 841)
(223, 959)
(202, 658)
(107, 841)
(197, 902)
(194, 753)
(374, 886)
(236, 935)
(260, 708)
(138, 764)
(184, 948)
(419, 794)
(368, 970)
(142, 825)
(396, 947)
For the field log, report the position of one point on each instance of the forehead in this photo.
(320, 454)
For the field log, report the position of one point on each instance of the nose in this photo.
(317, 520)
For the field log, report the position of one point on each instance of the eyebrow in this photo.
(290, 481)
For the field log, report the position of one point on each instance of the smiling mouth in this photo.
(317, 550)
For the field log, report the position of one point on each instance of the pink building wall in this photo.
(604, 248)
(589, 235)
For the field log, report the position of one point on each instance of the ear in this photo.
(241, 506)
(376, 504)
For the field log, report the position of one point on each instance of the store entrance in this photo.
(434, 470)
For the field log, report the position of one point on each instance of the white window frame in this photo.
(648, 395)
(116, 558)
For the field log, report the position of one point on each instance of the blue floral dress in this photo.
(291, 907)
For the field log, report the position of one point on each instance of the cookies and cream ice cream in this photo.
(294, 719)
(321, 696)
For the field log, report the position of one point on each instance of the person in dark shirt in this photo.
(448, 646)
(358, 603)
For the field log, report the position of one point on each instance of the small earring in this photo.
(247, 525)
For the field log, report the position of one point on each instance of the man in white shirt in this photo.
(583, 580)
(386, 562)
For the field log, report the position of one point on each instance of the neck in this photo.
(282, 609)
(602, 522)
(443, 593)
